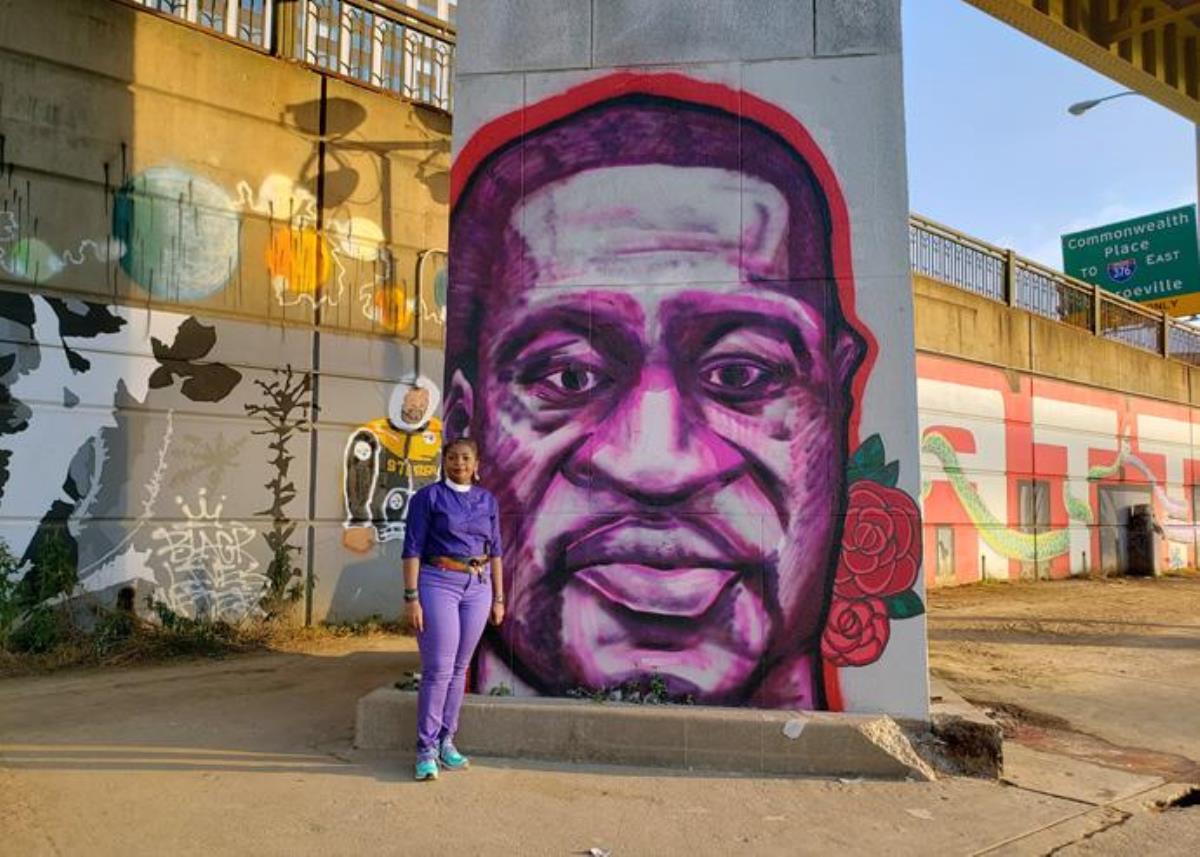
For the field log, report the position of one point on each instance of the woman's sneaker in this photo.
(451, 759)
(427, 769)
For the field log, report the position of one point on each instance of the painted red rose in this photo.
(856, 632)
(881, 543)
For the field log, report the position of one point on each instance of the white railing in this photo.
(383, 44)
(245, 20)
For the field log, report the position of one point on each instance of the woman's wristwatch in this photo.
(410, 595)
(497, 598)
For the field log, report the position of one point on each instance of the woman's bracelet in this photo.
(410, 595)
(497, 598)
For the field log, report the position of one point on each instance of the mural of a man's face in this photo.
(416, 403)
(663, 410)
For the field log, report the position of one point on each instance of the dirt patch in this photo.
(1102, 670)
(1016, 720)
(1121, 601)
(145, 644)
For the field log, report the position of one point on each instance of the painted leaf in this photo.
(905, 605)
(210, 383)
(869, 463)
(887, 475)
(17, 307)
(870, 455)
(193, 341)
(76, 361)
(5, 455)
(82, 319)
(161, 377)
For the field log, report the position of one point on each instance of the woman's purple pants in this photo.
(456, 606)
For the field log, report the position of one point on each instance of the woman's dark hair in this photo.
(470, 444)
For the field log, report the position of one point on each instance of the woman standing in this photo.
(453, 580)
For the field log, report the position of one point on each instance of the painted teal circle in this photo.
(180, 233)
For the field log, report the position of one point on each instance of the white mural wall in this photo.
(680, 326)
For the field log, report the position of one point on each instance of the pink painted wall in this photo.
(1023, 475)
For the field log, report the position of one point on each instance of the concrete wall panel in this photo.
(524, 35)
(216, 269)
(857, 27)
(665, 173)
(659, 32)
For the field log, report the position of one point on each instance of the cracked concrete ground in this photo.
(251, 755)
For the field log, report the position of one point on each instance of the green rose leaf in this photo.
(870, 455)
(870, 463)
(889, 475)
(905, 605)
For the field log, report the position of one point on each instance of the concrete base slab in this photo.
(682, 737)
(968, 741)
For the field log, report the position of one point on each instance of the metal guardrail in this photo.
(378, 43)
(245, 20)
(954, 258)
(944, 254)
(381, 44)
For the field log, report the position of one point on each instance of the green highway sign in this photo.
(1151, 259)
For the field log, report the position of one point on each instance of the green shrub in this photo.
(43, 628)
(112, 630)
(10, 608)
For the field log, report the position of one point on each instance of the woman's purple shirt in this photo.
(445, 522)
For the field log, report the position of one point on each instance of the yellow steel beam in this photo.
(1150, 46)
(1126, 29)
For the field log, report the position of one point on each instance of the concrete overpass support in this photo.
(680, 324)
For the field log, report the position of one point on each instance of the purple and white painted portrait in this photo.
(652, 336)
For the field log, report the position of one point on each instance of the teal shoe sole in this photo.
(466, 763)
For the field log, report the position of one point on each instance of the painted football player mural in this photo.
(387, 460)
(652, 334)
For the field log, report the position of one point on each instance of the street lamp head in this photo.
(1081, 107)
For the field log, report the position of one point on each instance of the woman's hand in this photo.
(414, 616)
(497, 613)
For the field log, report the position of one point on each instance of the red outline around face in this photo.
(505, 129)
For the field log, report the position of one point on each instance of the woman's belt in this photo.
(468, 564)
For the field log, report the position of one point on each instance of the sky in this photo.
(993, 152)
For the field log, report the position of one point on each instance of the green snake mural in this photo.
(1010, 543)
